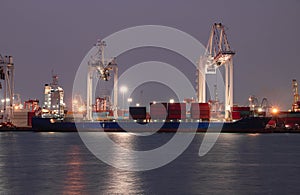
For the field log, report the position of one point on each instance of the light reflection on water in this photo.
(122, 182)
(74, 181)
(59, 163)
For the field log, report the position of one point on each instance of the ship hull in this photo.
(246, 125)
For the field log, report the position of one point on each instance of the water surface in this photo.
(59, 163)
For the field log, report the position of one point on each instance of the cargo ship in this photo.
(187, 116)
(163, 117)
(245, 125)
(172, 115)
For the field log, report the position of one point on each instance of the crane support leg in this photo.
(231, 83)
(115, 103)
(228, 89)
(89, 94)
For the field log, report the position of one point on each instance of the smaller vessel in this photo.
(288, 121)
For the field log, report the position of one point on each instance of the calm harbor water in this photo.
(59, 163)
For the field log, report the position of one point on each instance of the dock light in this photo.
(5, 100)
(129, 100)
(81, 109)
(137, 104)
(259, 109)
(172, 101)
(275, 110)
(123, 89)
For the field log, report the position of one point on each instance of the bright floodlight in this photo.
(172, 101)
(129, 100)
(275, 110)
(123, 89)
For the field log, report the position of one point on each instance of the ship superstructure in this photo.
(54, 105)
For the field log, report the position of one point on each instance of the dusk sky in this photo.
(55, 35)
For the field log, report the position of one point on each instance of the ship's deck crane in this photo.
(253, 102)
(102, 67)
(265, 105)
(296, 102)
(218, 53)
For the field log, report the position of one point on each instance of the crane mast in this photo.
(7, 87)
(296, 103)
(218, 53)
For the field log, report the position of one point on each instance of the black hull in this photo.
(247, 125)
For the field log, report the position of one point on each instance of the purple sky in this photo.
(55, 35)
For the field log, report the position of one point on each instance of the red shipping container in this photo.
(158, 110)
(200, 106)
(235, 115)
(200, 111)
(176, 111)
(240, 108)
(29, 118)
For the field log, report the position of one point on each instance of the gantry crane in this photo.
(218, 53)
(102, 67)
(7, 87)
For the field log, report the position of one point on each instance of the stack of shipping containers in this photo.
(240, 112)
(176, 111)
(200, 111)
(158, 111)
